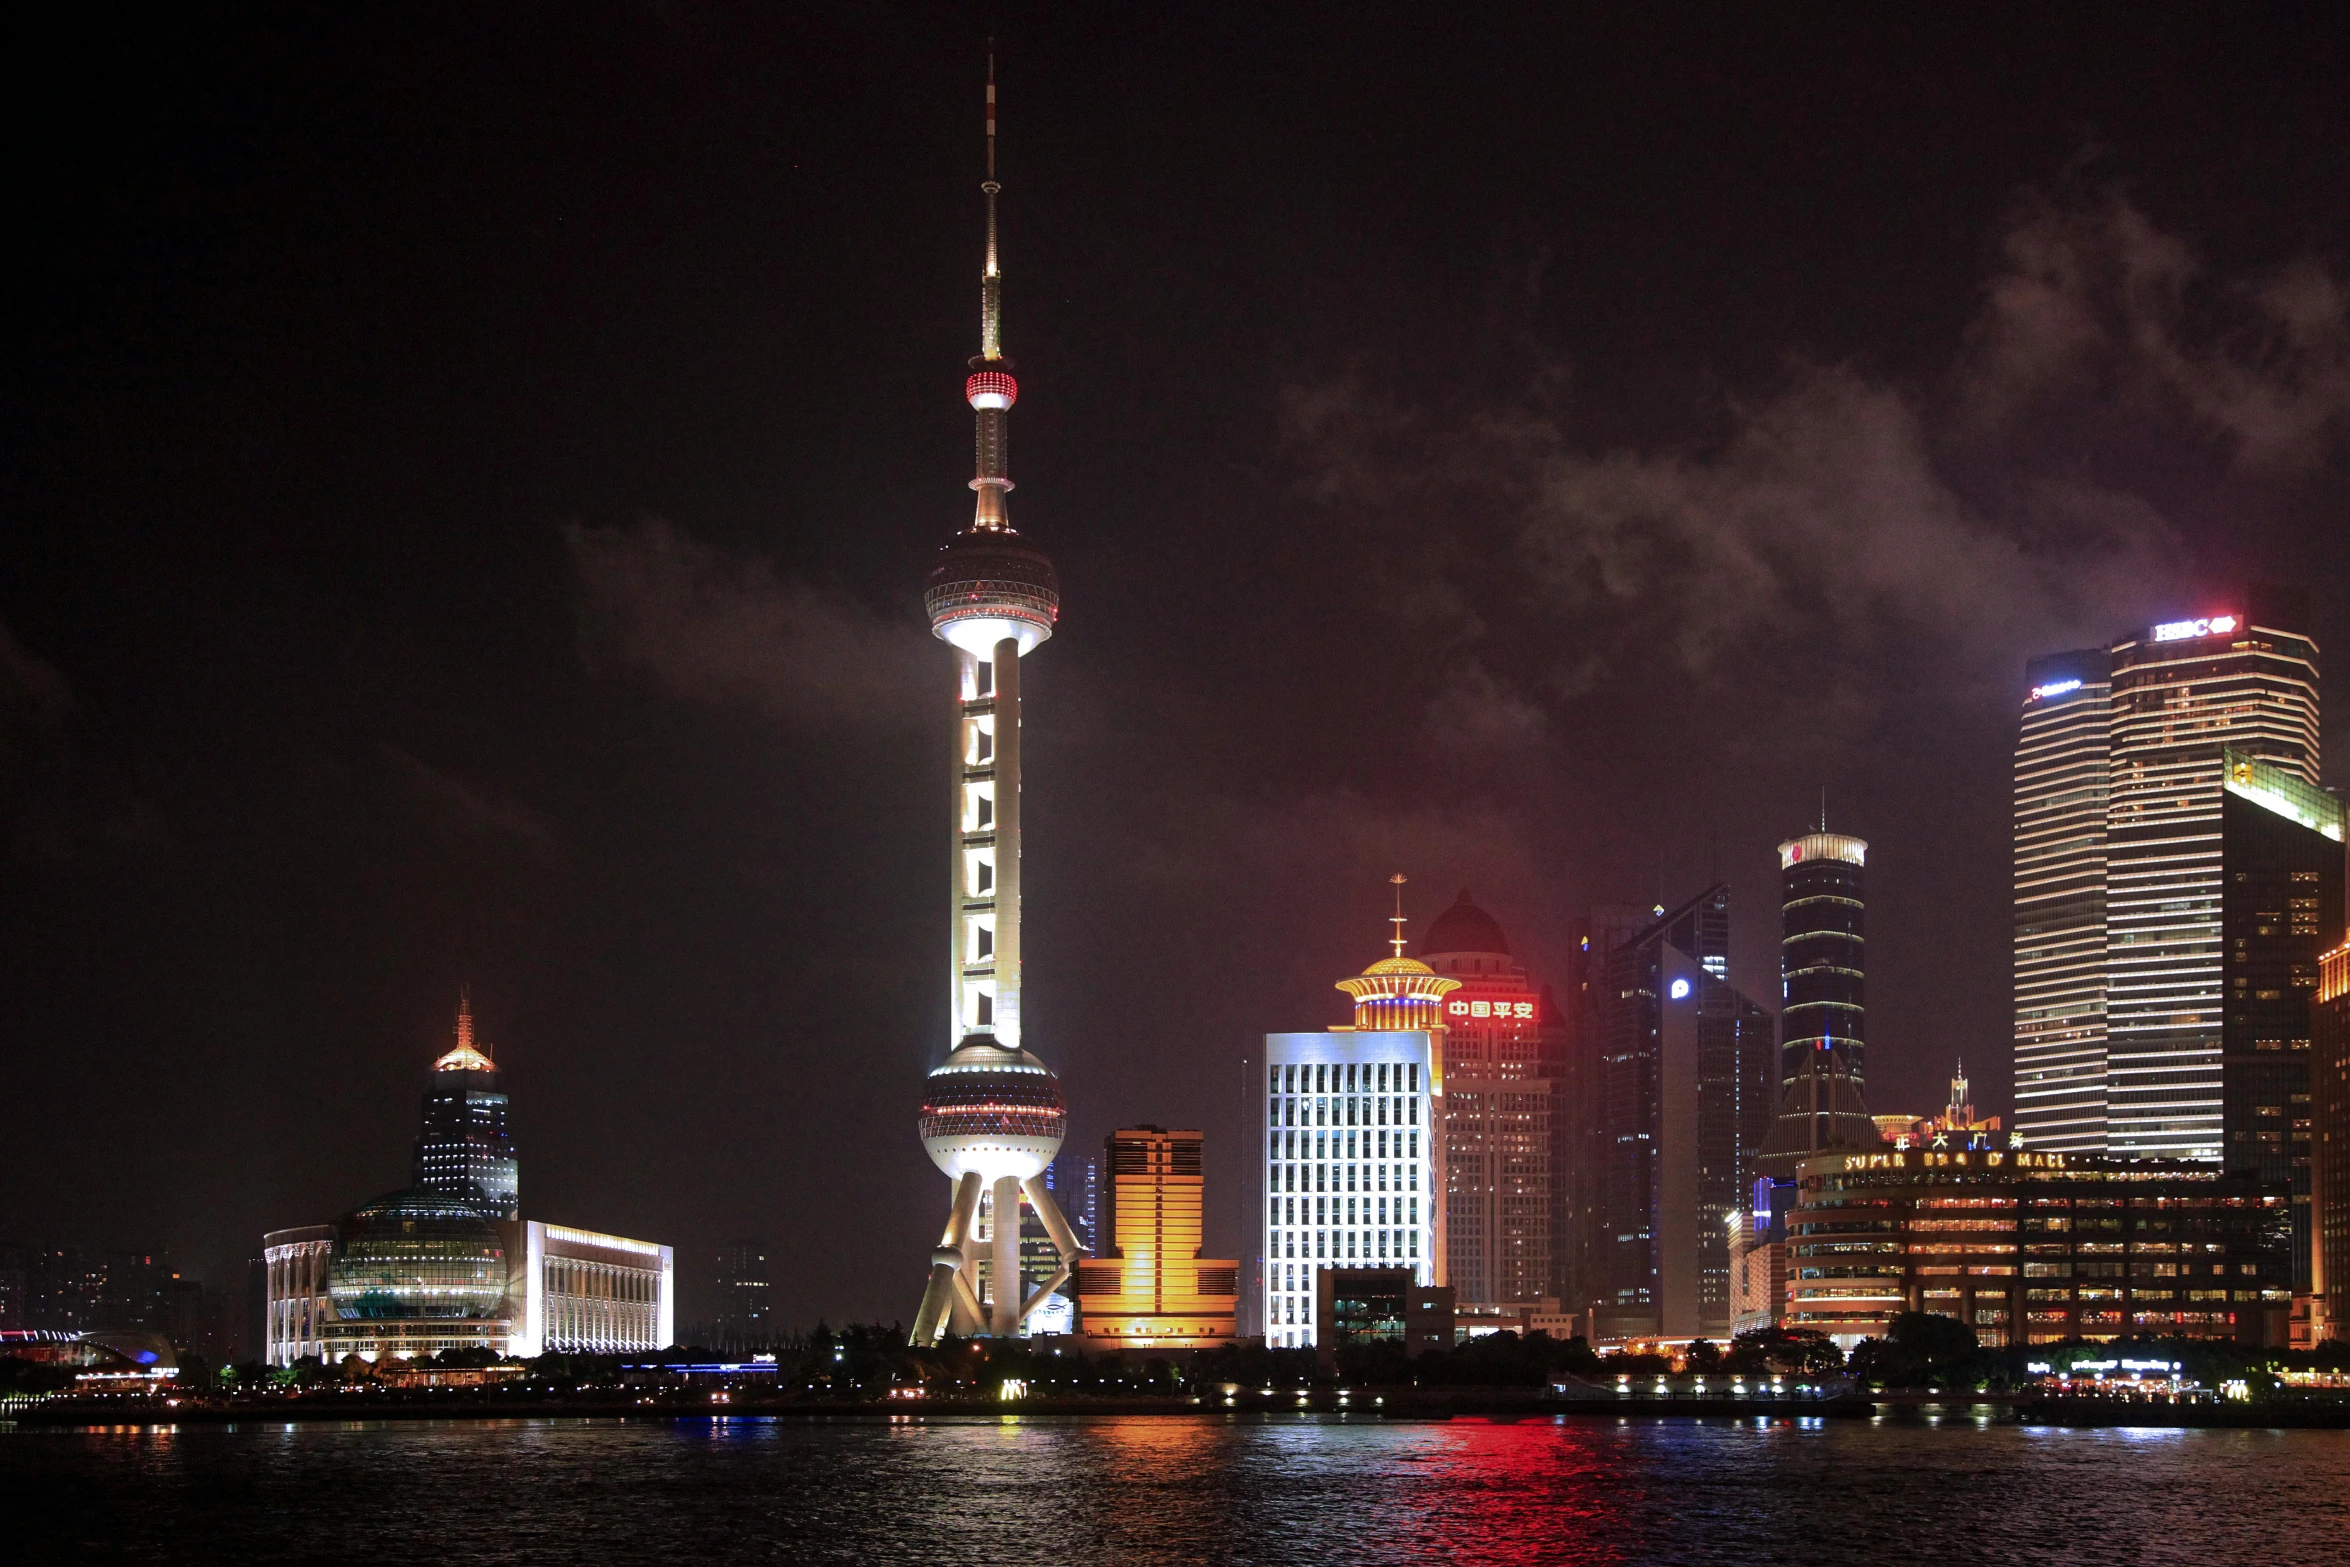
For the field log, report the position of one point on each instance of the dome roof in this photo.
(417, 1254)
(1464, 928)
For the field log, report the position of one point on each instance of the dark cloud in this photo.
(1831, 528)
(2097, 299)
(728, 629)
(58, 810)
(472, 809)
(35, 698)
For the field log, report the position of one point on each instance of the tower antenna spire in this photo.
(991, 391)
(991, 285)
(1396, 919)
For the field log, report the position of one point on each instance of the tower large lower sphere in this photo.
(992, 1114)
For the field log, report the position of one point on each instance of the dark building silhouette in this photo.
(1075, 1182)
(1683, 1099)
(82, 1289)
(2329, 1204)
(745, 1320)
(2280, 908)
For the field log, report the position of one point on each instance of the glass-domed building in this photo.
(449, 1263)
(418, 1255)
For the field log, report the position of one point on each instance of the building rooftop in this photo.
(1464, 928)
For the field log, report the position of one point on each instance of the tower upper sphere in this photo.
(990, 584)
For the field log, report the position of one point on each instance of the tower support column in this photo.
(1003, 1308)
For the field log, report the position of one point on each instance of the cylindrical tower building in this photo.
(1822, 1028)
(992, 1116)
(1823, 947)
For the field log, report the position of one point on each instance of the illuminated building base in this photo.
(568, 1291)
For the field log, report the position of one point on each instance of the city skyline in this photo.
(466, 527)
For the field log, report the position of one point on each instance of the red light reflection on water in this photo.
(1459, 1492)
(1517, 1491)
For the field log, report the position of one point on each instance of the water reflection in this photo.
(1144, 1491)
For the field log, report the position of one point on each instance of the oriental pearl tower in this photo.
(992, 1114)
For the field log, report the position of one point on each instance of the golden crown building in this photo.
(1354, 1149)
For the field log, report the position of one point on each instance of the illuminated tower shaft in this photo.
(984, 901)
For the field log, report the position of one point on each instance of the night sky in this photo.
(469, 474)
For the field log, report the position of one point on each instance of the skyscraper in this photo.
(463, 1150)
(2060, 954)
(1504, 1044)
(1074, 1184)
(745, 1306)
(1151, 1288)
(1581, 1139)
(2244, 677)
(992, 1113)
(2281, 847)
(1684, 1100)
(1354, 1152)
(2329, 1202)
(1823, 1021)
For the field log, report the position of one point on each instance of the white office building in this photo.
(1351, 1172)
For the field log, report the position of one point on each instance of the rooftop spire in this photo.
(1396, 919)
(465, 1055)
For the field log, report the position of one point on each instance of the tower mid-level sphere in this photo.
(992, 1113)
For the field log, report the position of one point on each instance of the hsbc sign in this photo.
(2187, 630)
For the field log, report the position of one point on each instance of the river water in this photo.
(1043, 1492)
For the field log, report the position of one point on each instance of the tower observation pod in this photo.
(992, 1114)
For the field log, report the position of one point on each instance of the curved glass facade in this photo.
(417, 1255)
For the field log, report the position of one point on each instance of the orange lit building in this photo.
(1150, 1288)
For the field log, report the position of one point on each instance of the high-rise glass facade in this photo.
(463, 1150)
(2242, 678)
(2060, 789)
